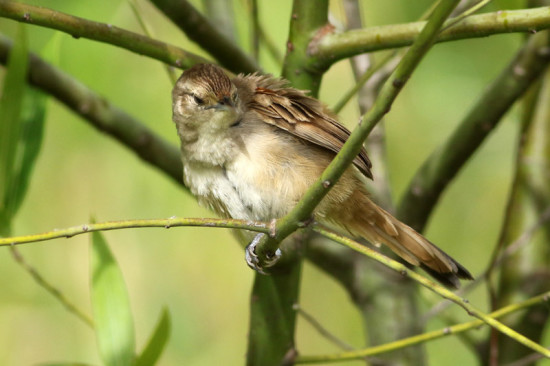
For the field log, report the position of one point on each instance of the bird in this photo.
(251, 145)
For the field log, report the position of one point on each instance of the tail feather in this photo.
(378, 226)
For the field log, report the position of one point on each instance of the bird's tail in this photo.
(379, 227)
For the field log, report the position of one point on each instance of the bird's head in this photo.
(205, 100)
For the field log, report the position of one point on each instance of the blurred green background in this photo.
(200, 274)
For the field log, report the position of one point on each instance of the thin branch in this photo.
(107, 33)
(466, 13)
(324, 332)
(336, 46)
(302, 211)
(55, 292)
(101, 114)
(432, 286)
(510, 250)
(425, 337)
(444, 163)
(199, 29)
(127, 224)
(149, 33)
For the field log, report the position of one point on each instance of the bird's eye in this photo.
(198, 100)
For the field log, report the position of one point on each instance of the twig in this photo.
(45, 284)
(321, 329)
(513, 248)
(432, 286)
(421, 338)
(466, 13)
(126, 224)
(137, 13)
(107, 33)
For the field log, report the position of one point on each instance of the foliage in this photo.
(477, 173)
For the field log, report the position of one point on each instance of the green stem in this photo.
(272, 316)
(107, 33)
(443, 164)
(127, 224)
(421, 338)
(337, 46)
(303, 210)
(432, 286)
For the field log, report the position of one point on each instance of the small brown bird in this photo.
(251, 146)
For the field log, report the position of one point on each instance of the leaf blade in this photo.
(111, 306)
(153, 350)
(10, 125)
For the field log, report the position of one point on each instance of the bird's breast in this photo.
(264, 180)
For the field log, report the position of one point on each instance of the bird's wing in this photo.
(305, 117)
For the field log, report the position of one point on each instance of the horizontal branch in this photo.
(101, 114)
(107, 33)
(422, 338)
(266, 228)
(432, 286)
(127, 224)
(336, 46)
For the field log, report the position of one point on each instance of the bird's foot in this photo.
(254, 261)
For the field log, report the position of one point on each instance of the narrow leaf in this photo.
(111, 307)
(10, 125)
(157, 342)
(65, 364)
(30, 141)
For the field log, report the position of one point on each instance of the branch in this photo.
(336, 46)
(432, 286)
(127, 224)
(199, 29)
(272, 316)
(443, 164)
(302, 211)
(107, 33)
(422, 338)
(527, 271)
(101, 114)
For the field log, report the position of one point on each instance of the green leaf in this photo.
(111, 307)
(157, 342)
(65, 364)
(10, 124)
(30, 141)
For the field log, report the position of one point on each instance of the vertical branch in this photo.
(307, 22)
(272, 315)
(392, 313)
(527, 272)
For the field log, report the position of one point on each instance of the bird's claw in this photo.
(254, 261)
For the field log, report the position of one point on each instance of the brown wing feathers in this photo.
(305, 117)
